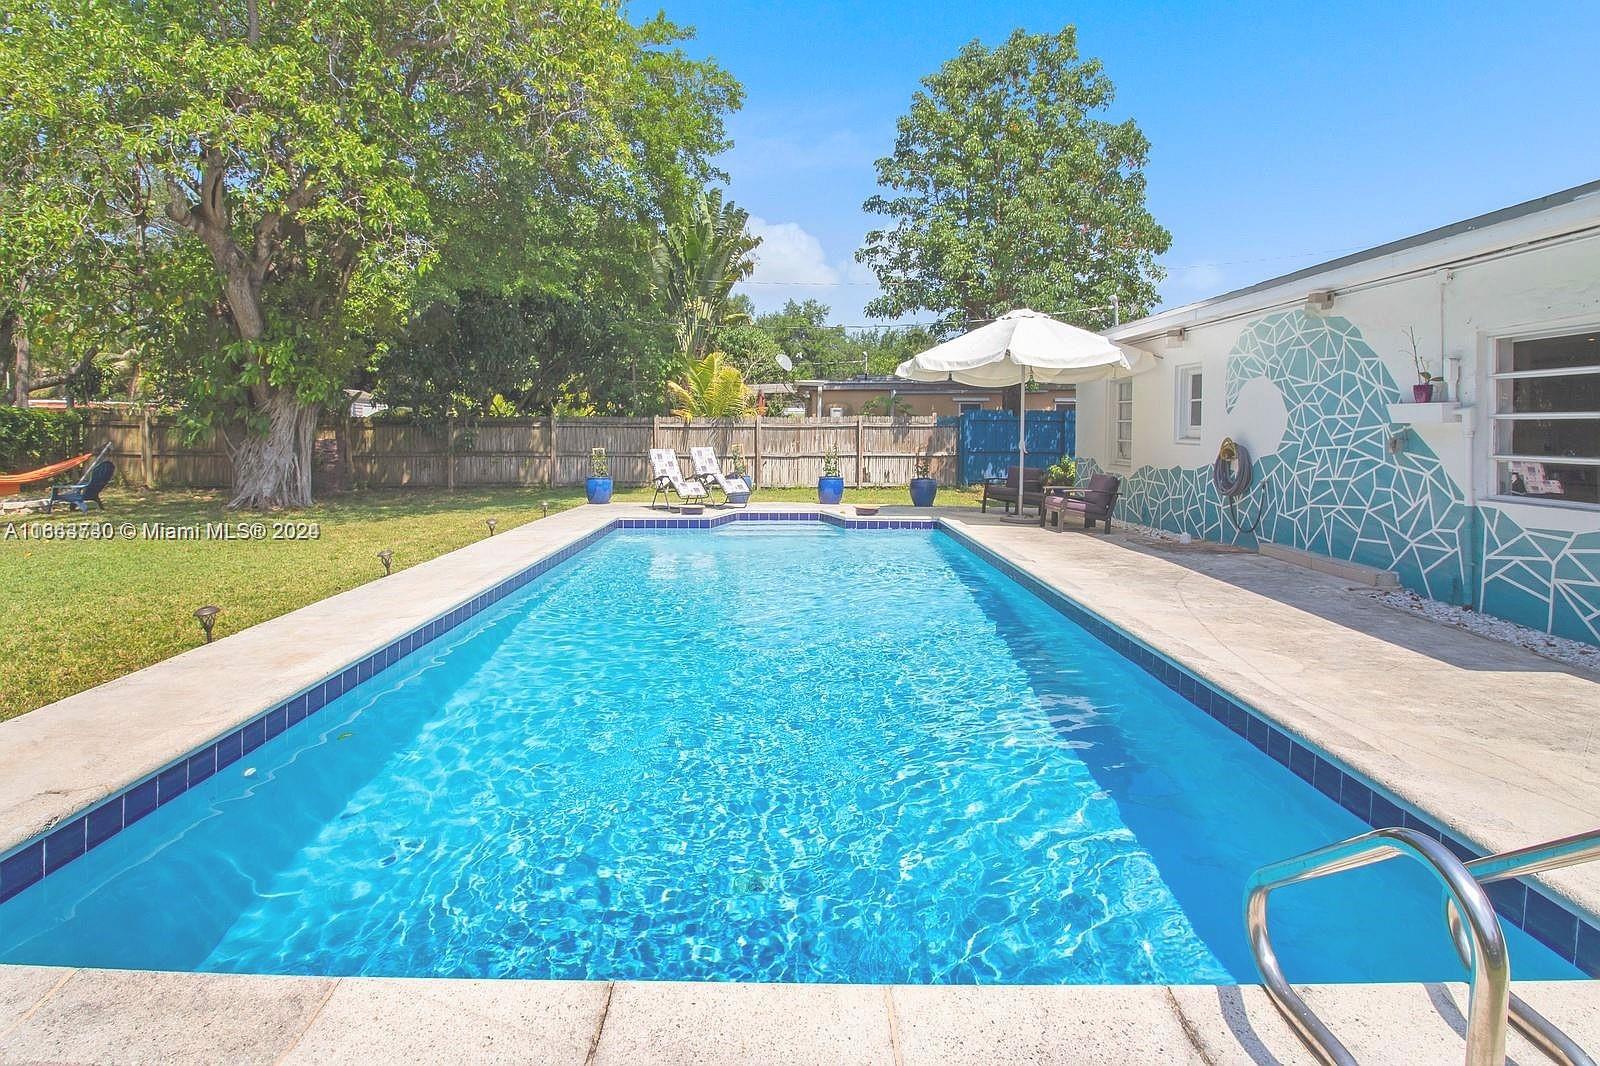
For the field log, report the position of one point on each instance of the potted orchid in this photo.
(1422, 391)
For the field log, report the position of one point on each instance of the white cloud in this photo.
(789, 256)
(791, 264)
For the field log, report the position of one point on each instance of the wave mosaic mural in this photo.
(1333, 487)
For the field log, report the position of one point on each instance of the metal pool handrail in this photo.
(1490, 966)
(1524, 862)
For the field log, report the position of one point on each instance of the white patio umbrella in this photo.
(1020, 345)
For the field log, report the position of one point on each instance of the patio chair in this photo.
(669, 480)
(1094, 501)
(1004, 489)
(81, 494)
(13, 483)
(707, 471)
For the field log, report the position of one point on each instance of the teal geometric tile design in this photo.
(1333, 488)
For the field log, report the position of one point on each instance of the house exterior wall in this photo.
(1309, 393)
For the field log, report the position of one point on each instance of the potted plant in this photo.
(1422, 391)
(1063, 473)
(923, 486)
(739, 465)
(598, 487)
(830, 486)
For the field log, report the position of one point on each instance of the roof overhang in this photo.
(1571, 212)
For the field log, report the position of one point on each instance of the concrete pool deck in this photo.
(1499, 744)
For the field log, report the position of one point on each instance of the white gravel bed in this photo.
(1570, 652)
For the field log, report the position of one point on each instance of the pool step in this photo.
(1358, 573)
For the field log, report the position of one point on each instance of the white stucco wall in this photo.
(1459, 311)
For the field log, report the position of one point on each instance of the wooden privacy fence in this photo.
(780, 452)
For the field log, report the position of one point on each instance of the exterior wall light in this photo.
(1319, 301)
(207, 617)
(1174, 338)
(386, 557)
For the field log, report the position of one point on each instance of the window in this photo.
(1066, 403)
(1122, 420)
(1547, 418)
(963, 406)
(1189, 406)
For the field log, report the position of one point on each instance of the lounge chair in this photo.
(85, 492)
(1094, 501)
(1004, 489)
(707, 471)
(669, 480)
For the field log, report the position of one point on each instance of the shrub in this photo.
(32, 438)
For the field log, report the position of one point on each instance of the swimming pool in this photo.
(765, 752)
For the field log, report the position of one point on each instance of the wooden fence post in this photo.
(860, 458)
(146, 449)
(550, 464)
(755, 464)
(450, 454)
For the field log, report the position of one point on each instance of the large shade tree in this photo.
(312, 166)
(1009, 186)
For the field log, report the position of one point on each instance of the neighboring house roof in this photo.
(1560, 215)
(904, 386)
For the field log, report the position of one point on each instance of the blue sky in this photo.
(1282, 134)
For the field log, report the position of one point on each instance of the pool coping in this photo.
(30, 851)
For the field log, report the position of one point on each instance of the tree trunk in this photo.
(273, 470)
(18, 352)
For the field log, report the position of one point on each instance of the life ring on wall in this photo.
(1231, 472)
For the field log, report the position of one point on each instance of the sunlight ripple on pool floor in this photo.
(758, 753)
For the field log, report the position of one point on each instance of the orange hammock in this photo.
(10, 483)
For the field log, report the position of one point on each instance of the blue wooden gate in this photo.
(988, 441)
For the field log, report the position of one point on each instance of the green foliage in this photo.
(704, 252)
(1007, 189)
(599, 466)
(830, 462)
(1064, 471)
(31, 438)
(885, 406)
(711, 388)
(273, 188)
(538, 352)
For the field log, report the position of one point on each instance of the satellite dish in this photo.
(785, 363)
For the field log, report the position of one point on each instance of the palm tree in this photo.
(711, 388)
(703, 254)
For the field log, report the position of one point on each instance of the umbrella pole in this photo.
(1022, 449)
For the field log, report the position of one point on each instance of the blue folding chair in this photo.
(85, 492)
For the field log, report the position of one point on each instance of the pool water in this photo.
(760, 753)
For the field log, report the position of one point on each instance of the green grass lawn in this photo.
(77, 613)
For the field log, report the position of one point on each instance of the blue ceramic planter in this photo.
(599, 489)
(830, 489)
(923, 490)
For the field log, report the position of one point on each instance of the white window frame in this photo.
(1186, 426)
(1121, 455)
(1498, 346)
(1066, 403)
(963, 406)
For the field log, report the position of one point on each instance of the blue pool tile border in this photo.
(1548, 921)
(1518, 903)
